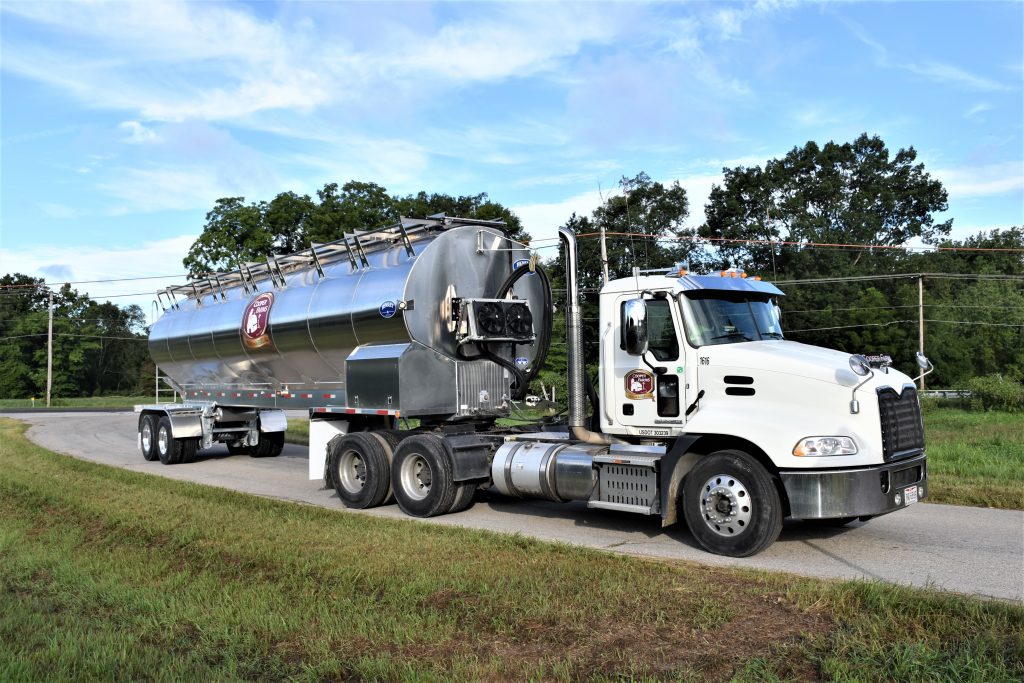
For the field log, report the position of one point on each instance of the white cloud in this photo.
(937, 72)
(55, 210)
(982, 181)
(977, 109)
(137, 133)
(542, 220)
(78, 263)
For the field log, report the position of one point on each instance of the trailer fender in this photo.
(674, 466)
(187, 426)
(273, 421)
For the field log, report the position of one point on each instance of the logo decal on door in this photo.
(639, 385)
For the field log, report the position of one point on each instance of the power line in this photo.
(887, 308)
(91, 282)
(898, 322)
(785, 243)
(80, 336)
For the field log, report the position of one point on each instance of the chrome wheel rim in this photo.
(725, 505)
(416, 477)
(351, 471)
(162, 440)
(147, 436)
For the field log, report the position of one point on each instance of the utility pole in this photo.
(920, 320)
(604, 254)
(49, 352)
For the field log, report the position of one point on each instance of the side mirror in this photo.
(634, 327)
(922, 360)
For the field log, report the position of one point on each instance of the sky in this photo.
(122, 123)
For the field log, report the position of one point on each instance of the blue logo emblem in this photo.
(522, 361)
(388, 309)
(520, 263)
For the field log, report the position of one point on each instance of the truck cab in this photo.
(700, 363)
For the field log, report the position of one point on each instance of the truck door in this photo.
(650, 395)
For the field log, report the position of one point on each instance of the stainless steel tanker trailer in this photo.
(704, 410)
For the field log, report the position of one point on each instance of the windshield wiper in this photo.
(773, 335)
(733, 335)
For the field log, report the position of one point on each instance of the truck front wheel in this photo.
(731, 504)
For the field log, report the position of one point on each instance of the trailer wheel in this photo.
(171, 451)
(421, 476)
(358, 467)
(147, 437)
(731, 504)
(270, 446)
(189, 449)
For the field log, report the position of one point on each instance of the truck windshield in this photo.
(714, 317)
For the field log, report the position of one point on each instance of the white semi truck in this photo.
(705, 411)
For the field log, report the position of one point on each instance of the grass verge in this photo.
(128, 576)
(975, 458)
(82, 402)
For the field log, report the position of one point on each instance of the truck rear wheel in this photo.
(147, 437)
(421, 476)
(358, 467)
(731, 504)
(170, 450)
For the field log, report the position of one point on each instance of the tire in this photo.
(270, 446)
(421, 476)
(239, 450)
(171, 451)
(189, 449)
(147, 437)
(358, 467)
(464, 496)
(731, 504)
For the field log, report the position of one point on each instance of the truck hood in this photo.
(800, 360)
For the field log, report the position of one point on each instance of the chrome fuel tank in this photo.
(290, 327)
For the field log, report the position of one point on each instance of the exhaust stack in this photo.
(574, 348)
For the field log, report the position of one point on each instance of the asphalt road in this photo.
(961, 549)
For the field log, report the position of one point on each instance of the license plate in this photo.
(910, 495)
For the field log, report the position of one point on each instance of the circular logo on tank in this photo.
(388, 309)
(520, 263)
(255, 320)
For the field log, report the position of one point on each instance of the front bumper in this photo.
(857, 492)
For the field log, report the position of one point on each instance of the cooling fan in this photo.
(490, 319)
(519, 320)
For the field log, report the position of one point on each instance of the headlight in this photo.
(813, 446)
(859, 364)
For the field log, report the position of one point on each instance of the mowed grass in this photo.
(110, 574)
(82, 402)
(975, 458)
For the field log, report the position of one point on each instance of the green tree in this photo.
(234, 233)
(850, 193)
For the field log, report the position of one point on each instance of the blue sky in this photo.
(123, 122)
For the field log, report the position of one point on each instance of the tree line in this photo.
(98, 348)
(839, 212)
